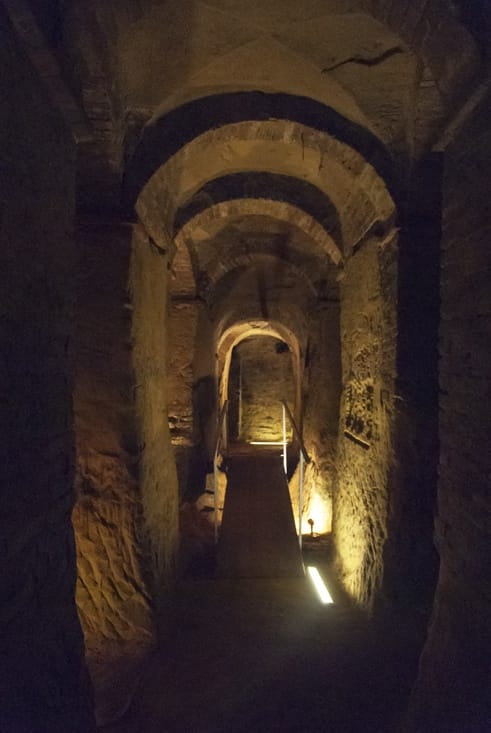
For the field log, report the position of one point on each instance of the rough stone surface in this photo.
(43, 683)
(410, 558)
(268, 291)
(288, 149)
(265, 378)
(191, 397)
(183, 321)
(111, 592)
(321, 389)
(230, 334)
(157, 470)
(452, 691)
(266, 210)
(88, 59)
(365, 450)
(280, 144)
(384, 63)
(255, 236)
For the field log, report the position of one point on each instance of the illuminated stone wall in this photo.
(182, 325)
(192, 392)
(266, 378)
(388, 75)
(183, 423)
(157, 473)
(43, 683)
(368, 330)
(111, 593)
(322, 386)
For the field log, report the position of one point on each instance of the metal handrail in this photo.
(304, 458)
(296, 432)
(218, 445)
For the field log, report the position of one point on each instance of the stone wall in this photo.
(322, 386)
(183, 321)
(157, 469)
(410, 558)
(452, 691)
(43, 683)
(111, 592)
(191, 398)
(368, 331)
(266, 378)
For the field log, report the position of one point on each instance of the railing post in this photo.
(300, 500)
(304, 458)
(225, 427)
(285, 458)
(215, 500)
(221, 440)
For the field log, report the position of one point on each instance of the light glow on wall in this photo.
(320, 511)
(324, 595)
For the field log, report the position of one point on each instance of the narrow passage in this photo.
(258, 537)
(252, 649)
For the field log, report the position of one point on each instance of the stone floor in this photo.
(243, 652)
(257, 537)
(264, 655)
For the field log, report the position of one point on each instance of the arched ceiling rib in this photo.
(229, 336)
(240, 232)
(393, 67)
(241, 330)
(331, 51)
(266, 186)
(278, 147)
(166, 136)
(257, 146)
(158, 47)
(210, 222)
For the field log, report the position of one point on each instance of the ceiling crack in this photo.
(366, 59)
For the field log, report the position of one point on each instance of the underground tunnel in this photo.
(245, 327)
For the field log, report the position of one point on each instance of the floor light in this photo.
(323, 593)
(265, 442)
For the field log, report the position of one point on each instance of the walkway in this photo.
(258, 537)
(246, 651)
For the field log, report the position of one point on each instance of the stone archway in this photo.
(252, 157)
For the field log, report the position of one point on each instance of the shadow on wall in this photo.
(204, 411)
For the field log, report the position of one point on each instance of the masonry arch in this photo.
(286, 166)
(317, 165)
(278, 147)
(242, 330)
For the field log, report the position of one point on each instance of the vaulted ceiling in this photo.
(260, 137)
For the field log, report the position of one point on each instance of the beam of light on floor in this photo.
(323, 593)
(265, 442)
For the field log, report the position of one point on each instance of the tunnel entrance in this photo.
(261, 376)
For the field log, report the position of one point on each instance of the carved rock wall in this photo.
(368, 331)
(452, 692)
(322, 385)
(43, 683)
(157, 469)
(183, 321)
(266, 378)
(191, 396)
(111, 591)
